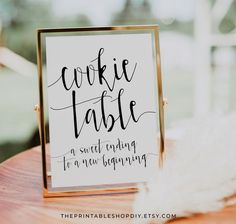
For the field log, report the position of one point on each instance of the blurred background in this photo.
(198, 52)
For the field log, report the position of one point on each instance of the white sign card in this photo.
(103, 108)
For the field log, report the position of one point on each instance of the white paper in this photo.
(87, 157)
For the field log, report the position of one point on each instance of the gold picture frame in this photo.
(40, 109)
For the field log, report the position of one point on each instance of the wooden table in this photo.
(21, 200)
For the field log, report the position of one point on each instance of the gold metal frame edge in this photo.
(42, 131)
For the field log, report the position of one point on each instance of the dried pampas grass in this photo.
(199, 172)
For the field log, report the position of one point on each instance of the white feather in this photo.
(199, 172)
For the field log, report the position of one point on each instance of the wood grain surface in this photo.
(21, 200)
